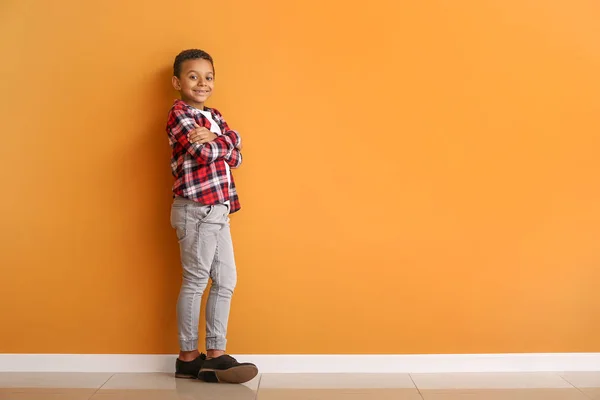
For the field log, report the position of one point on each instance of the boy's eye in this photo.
(210, 78)
(194, 77)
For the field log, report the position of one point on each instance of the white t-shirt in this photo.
(214, 128)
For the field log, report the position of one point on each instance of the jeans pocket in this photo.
(179, 220)
(205, 213)
(208, 221)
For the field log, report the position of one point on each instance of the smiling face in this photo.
(195, 83)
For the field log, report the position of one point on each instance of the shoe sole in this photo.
(240, 374)
(182, 376)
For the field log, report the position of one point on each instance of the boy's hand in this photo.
(201, 135)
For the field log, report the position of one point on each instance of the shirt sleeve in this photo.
(225, 128)
(234, 159)
(182, 123)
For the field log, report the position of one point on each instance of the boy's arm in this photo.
(181, 124)
(234, 159)
(226, 129)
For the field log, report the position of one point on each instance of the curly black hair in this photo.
(191, 54)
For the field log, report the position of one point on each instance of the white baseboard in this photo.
(326, 363)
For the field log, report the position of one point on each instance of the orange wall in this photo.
(420, 177)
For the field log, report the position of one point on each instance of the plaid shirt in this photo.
(201, 170)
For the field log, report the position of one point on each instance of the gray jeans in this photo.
(206, 251)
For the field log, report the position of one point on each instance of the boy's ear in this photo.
(175, 82)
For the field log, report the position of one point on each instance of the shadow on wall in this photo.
(142, 199)
(164, 239)
(147, 178)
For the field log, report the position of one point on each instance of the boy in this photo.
(204, 150)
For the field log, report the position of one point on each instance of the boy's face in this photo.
(196, 82)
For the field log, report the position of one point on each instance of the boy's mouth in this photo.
(201, 92)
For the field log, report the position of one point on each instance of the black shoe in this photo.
(189, 369)
(226, 369)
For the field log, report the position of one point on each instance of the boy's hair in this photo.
(191, 54)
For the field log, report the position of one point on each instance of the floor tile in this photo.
(158, 381)
(336, 381)
(504, 394)
(528, 380)
(338, 394)
(45, 394)
(583, 379)
(587, 382)
(184, 390)
(148, 381)
(592, 393)
(76, 380)
(162, 386)
(138, 394)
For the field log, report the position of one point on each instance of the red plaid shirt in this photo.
(200, 170)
